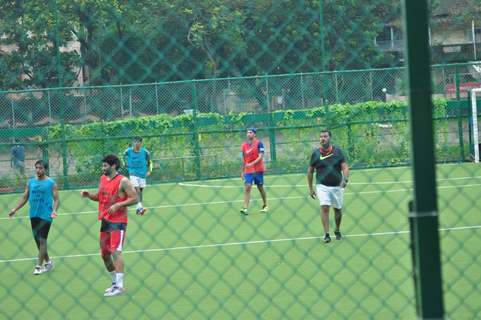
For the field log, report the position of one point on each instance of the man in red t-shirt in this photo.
(115, 194)
(253, 169)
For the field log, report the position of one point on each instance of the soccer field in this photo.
(194, 256)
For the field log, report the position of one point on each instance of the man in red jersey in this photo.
(253, 169)
(115, 194)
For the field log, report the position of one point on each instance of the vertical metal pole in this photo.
(121, 103)
(49, 105)
(475, 125)
(156, 100)
(459, 111)
(13, 113)
(474, 39)
(130, 102)
(62, 98)
(371, 86)
(425, 214)
(302, 93)
(323, 54)
(271, 125)
(337, 87)
(195, 133)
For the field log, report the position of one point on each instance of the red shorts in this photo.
(112, 237)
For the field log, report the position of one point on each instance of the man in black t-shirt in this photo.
(332, 174)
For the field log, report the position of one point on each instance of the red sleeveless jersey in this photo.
(108, 195)
(250, 152)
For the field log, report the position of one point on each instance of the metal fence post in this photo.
(428, 283)
(459, 113)
(195, 133)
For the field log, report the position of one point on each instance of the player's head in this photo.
(110, 164)
(40, 168)
(325, 137)
(251, 133)
(137, 142)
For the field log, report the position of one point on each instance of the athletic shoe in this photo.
(48, 266)
(110, 288)
(327, 238)
(116, 291)
(244, 211)
(140, 211)
(264, 209)
(38, 270)
(338, 235)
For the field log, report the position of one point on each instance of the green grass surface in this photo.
(194, 256)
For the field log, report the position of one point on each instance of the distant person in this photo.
(253, 169)
(332, 175)
(138, 163)
(17, 160)
(42, 194)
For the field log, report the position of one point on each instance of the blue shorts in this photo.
(257, 178)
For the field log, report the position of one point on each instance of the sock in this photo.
(119, 279)
(112, 274)
(139, 205)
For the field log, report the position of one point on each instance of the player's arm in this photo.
(126, 158)
(242, 163)
(91, 196)
(55, 200)
(345, 174)
(23, 200)
(149, 163)
(127, 187)
(310, 174)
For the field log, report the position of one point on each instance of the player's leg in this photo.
(337, 200)
(259, 181)
(107, 257)
(116, 245)
(248, 180)
(139, 185)
(325, 222)
(322, 193)
(338, 218)
(140, 208)
(40, 230)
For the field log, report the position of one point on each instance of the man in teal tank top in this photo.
(138, 163)
(42, 195)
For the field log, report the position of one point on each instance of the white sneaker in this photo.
(264, 209)
(38, 270)
(49, 266)
(116, 291)
(110, 288)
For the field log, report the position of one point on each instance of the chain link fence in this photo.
(82, 78)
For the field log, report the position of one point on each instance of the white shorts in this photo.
(330, 196)
(138, 182)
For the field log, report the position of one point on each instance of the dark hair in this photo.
(42, 163)
(137, 138)
(328, 132)
(112, 159)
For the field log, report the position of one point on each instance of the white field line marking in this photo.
(240, 186)
(195, 204)
(241, 243)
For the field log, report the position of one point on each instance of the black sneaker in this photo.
(327, 238)
(338, 235)
(244, 211)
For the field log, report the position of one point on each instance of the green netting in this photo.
(80, 79)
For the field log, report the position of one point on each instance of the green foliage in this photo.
(371, 133)
(118, 42)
